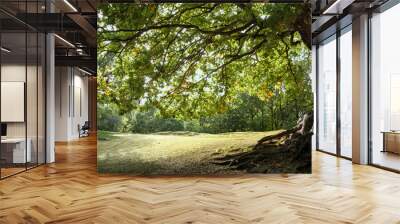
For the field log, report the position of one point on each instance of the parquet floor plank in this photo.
(71, 191)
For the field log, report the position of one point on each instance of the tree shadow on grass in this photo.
(193, 163)
(187, 164)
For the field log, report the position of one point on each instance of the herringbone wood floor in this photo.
(70, 191)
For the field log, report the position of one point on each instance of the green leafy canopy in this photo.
(192, 60)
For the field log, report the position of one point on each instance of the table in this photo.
(391, 141)
(13, 150)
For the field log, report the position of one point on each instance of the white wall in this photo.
(17, 73)
(33, 126)
(80, 110)
(9, 73)
(71, 102)
(62, 81)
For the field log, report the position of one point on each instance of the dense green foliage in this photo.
(248, 114)
(203, 67)
(108, 117)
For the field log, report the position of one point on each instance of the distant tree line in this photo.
(248, 113)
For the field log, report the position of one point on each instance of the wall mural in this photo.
(204, 89)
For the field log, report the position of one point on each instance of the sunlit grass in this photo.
(170, 153)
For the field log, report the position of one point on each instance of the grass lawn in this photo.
(170, 153)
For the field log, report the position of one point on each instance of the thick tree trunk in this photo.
(286, 152)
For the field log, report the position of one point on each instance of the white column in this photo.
(360, 90)
(313, 77)
(50, 110)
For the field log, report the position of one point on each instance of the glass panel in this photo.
(22, 88)
(385, 84)
(346, 93)
(32, 87)
(13, 86)
(327, 95)
(31, 98)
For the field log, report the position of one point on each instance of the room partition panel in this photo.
(385, 87)
(327, 95)
(22, 78)
(334, 93)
